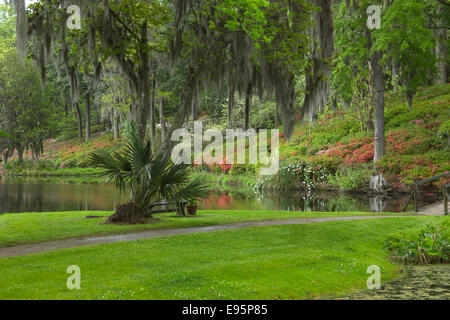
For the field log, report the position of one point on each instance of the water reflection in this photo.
(317, 202)
(35, 196)
(38, 197)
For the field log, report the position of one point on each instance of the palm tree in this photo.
(149, 178)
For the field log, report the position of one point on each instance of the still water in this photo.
(37, 196)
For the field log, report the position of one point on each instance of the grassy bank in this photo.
(49, 172)
(37, 227)
(286, 262)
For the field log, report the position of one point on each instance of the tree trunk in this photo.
(79, 120)
(441, 51)
(285, 97)
(409, 99)
(378, 76)
(144, 91)
(152, 112)
(21, 27)
(20, 153)
(88, 115)
(116, 124)
(277, 119)
(97, 113)
(231, 90)
(248, 106)
(394, 77)
(162, 121)
(66, 109)
(6, 155)
(194, 105)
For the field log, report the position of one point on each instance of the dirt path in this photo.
(93, 240)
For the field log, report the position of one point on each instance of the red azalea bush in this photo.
(215, 166)
(361, 150)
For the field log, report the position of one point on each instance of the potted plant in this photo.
(191, 207)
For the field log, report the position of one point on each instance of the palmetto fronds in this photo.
(149, 178)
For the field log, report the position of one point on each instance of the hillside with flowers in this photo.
(334, 153)
(417, 143)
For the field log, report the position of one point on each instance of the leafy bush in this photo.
(26, 164)
(444, 132)
(242, 169)
(331, 130)
(350, 179)
(399, 116)
(432, 245)
(263, 116)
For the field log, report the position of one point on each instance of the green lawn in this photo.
(284, 262)
(37, 227)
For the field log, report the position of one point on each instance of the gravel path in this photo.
(436, 209)
(93, 240)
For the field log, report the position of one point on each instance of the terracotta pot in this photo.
(191, 209)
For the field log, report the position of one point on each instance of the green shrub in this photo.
(27, 164)
(444, 132)
(333, 130)
(432, 245)
(263, 116)
(399, 116)
(351, 179)
(242, 169)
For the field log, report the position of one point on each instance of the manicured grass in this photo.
(285, 262)
(37, 227)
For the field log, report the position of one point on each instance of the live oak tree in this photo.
(265, 48)
(351, 81)
(254, 47)
(51, 42)
(116, 97)
(408, 43)
(18, 111)
(125, 31)
(318, 75)
(26, 111)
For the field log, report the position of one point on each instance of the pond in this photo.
(38, 196)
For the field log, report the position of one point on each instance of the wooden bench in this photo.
(177, 207)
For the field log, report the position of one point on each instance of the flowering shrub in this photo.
(361, 150)
(219, 166)
(214, 166)
(418, 121)
(357, 150)
(293, 176)
(411, 168)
